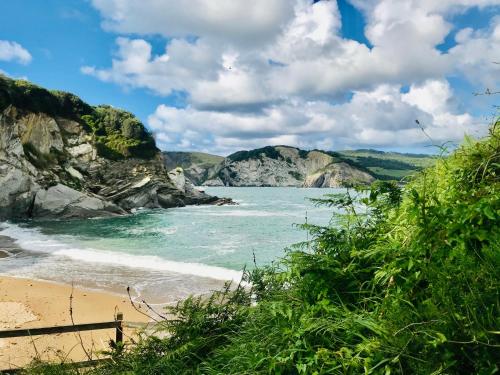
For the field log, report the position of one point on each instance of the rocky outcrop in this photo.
(55, 166)
(338, 175)
(214, 182)
(286, 166)
(197, 166)
(63, 202)
(193, 195)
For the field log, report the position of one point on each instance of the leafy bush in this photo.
(132, 128)
(42, 160)
(410, 284)
(407, 283)
(119, 134)
(303, 154)
(296, 175)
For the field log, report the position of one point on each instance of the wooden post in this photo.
(119, 328)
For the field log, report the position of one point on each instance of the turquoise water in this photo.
(183, 250)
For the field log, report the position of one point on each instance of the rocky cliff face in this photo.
(197, 166)
(60, 158)
(286, 166)
(337, 175)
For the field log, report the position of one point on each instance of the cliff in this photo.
(62, 158)
(287, 166)
(197, 166)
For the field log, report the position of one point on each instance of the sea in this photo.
(164, 255)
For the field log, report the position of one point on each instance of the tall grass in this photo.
(406, 282)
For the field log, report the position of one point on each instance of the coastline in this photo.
(26, 303)
(32, 303)
(158, 281)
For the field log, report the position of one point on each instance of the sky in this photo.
(226, 75)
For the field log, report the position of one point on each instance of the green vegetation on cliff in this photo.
(30, 97)
(118, 133)
(389, 165)
(381, 165)
(268, 151)
(186, 160)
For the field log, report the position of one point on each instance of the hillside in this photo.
(289, 166)
(61, 157)
(389, 165)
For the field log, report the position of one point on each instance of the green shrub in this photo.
(296, 175)
(132, 128)
(42, 160)
(407, 284)
(119, 134)
(411, 285)
(28, 96)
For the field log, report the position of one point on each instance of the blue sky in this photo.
(343, 74)
(62, 36)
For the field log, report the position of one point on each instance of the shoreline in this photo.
(158, 287)
(26, 303)
(9, 248)
(33, 303)
(30, 302)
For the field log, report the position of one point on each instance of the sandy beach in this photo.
(28, 304)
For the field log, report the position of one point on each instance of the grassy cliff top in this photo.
(389, 165)
(30, 97)
(186, 159)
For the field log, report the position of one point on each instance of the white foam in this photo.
(247, 213)
(32, 239)
(140, 231)
(149, 262)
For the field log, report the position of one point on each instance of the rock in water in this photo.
(63, 202)
(193, 195)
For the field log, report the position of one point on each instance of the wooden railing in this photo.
(116, 324)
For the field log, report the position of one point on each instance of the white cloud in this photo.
(178, 68)
(477, 55)
(12, 51)
(230, 21)
(260, 72)
(382, 117)
(431, 5)
(310, 57)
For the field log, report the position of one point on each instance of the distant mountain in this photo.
(274, 166)
(290, 166)
(389, 165)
